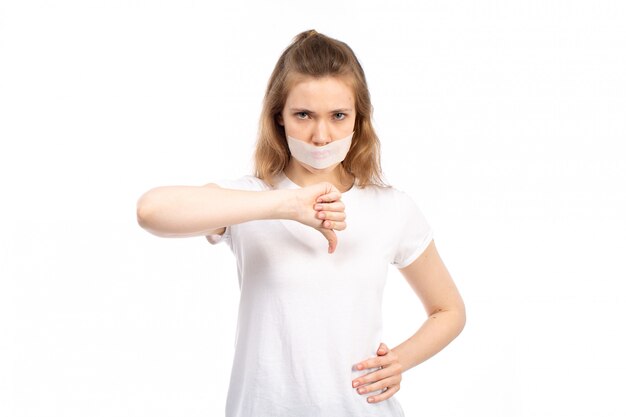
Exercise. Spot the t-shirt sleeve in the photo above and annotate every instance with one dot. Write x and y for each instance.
(247, 183)
(414, 232)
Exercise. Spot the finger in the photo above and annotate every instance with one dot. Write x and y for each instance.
(328, 224)
(376, 362)
(330, 215)
(384, 395)
(383, 349)
(379, 384)
(328, 198)
(330, 235)
(391, 371)
(334, 206)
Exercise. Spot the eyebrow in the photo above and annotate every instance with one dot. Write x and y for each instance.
(302, 109)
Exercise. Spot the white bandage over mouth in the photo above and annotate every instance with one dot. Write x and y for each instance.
(320, 157)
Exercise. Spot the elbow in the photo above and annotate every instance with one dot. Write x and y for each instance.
(142, 216)
(462, 322)
(461, 317)
(144, 212)
(455, 317)
(150, 217)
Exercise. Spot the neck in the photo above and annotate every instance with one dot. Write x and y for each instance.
(339, 177)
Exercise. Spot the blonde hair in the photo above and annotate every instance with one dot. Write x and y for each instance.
(317, 55)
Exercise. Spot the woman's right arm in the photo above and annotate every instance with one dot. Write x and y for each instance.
(185, 211)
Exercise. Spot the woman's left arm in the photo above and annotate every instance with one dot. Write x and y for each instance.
(431, 281)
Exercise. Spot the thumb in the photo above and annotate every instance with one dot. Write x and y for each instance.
(330, 235)
(382, 350)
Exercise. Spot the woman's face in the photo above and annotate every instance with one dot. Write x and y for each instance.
(319, 110)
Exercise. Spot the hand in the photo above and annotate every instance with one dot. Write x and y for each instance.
(388, 377)
(319, 206)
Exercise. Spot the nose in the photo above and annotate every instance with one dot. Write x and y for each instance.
(321, 135)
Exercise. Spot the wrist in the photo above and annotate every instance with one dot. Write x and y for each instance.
(286, 204)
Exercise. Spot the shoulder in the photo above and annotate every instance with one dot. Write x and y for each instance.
(393, 200)
(387, 193)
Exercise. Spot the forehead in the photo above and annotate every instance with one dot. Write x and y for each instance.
(324, 92)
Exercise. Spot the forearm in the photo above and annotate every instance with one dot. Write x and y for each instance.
(436, 333)
(182, 211)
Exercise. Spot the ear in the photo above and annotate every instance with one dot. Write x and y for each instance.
(279, 119)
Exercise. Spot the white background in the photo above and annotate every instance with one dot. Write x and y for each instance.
(505, 121)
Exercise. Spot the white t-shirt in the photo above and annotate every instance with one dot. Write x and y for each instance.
(306, 317)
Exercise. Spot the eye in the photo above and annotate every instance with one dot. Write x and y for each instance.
(340, 116)
(302, 115)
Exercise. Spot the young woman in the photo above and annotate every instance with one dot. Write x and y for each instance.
(309, 322)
